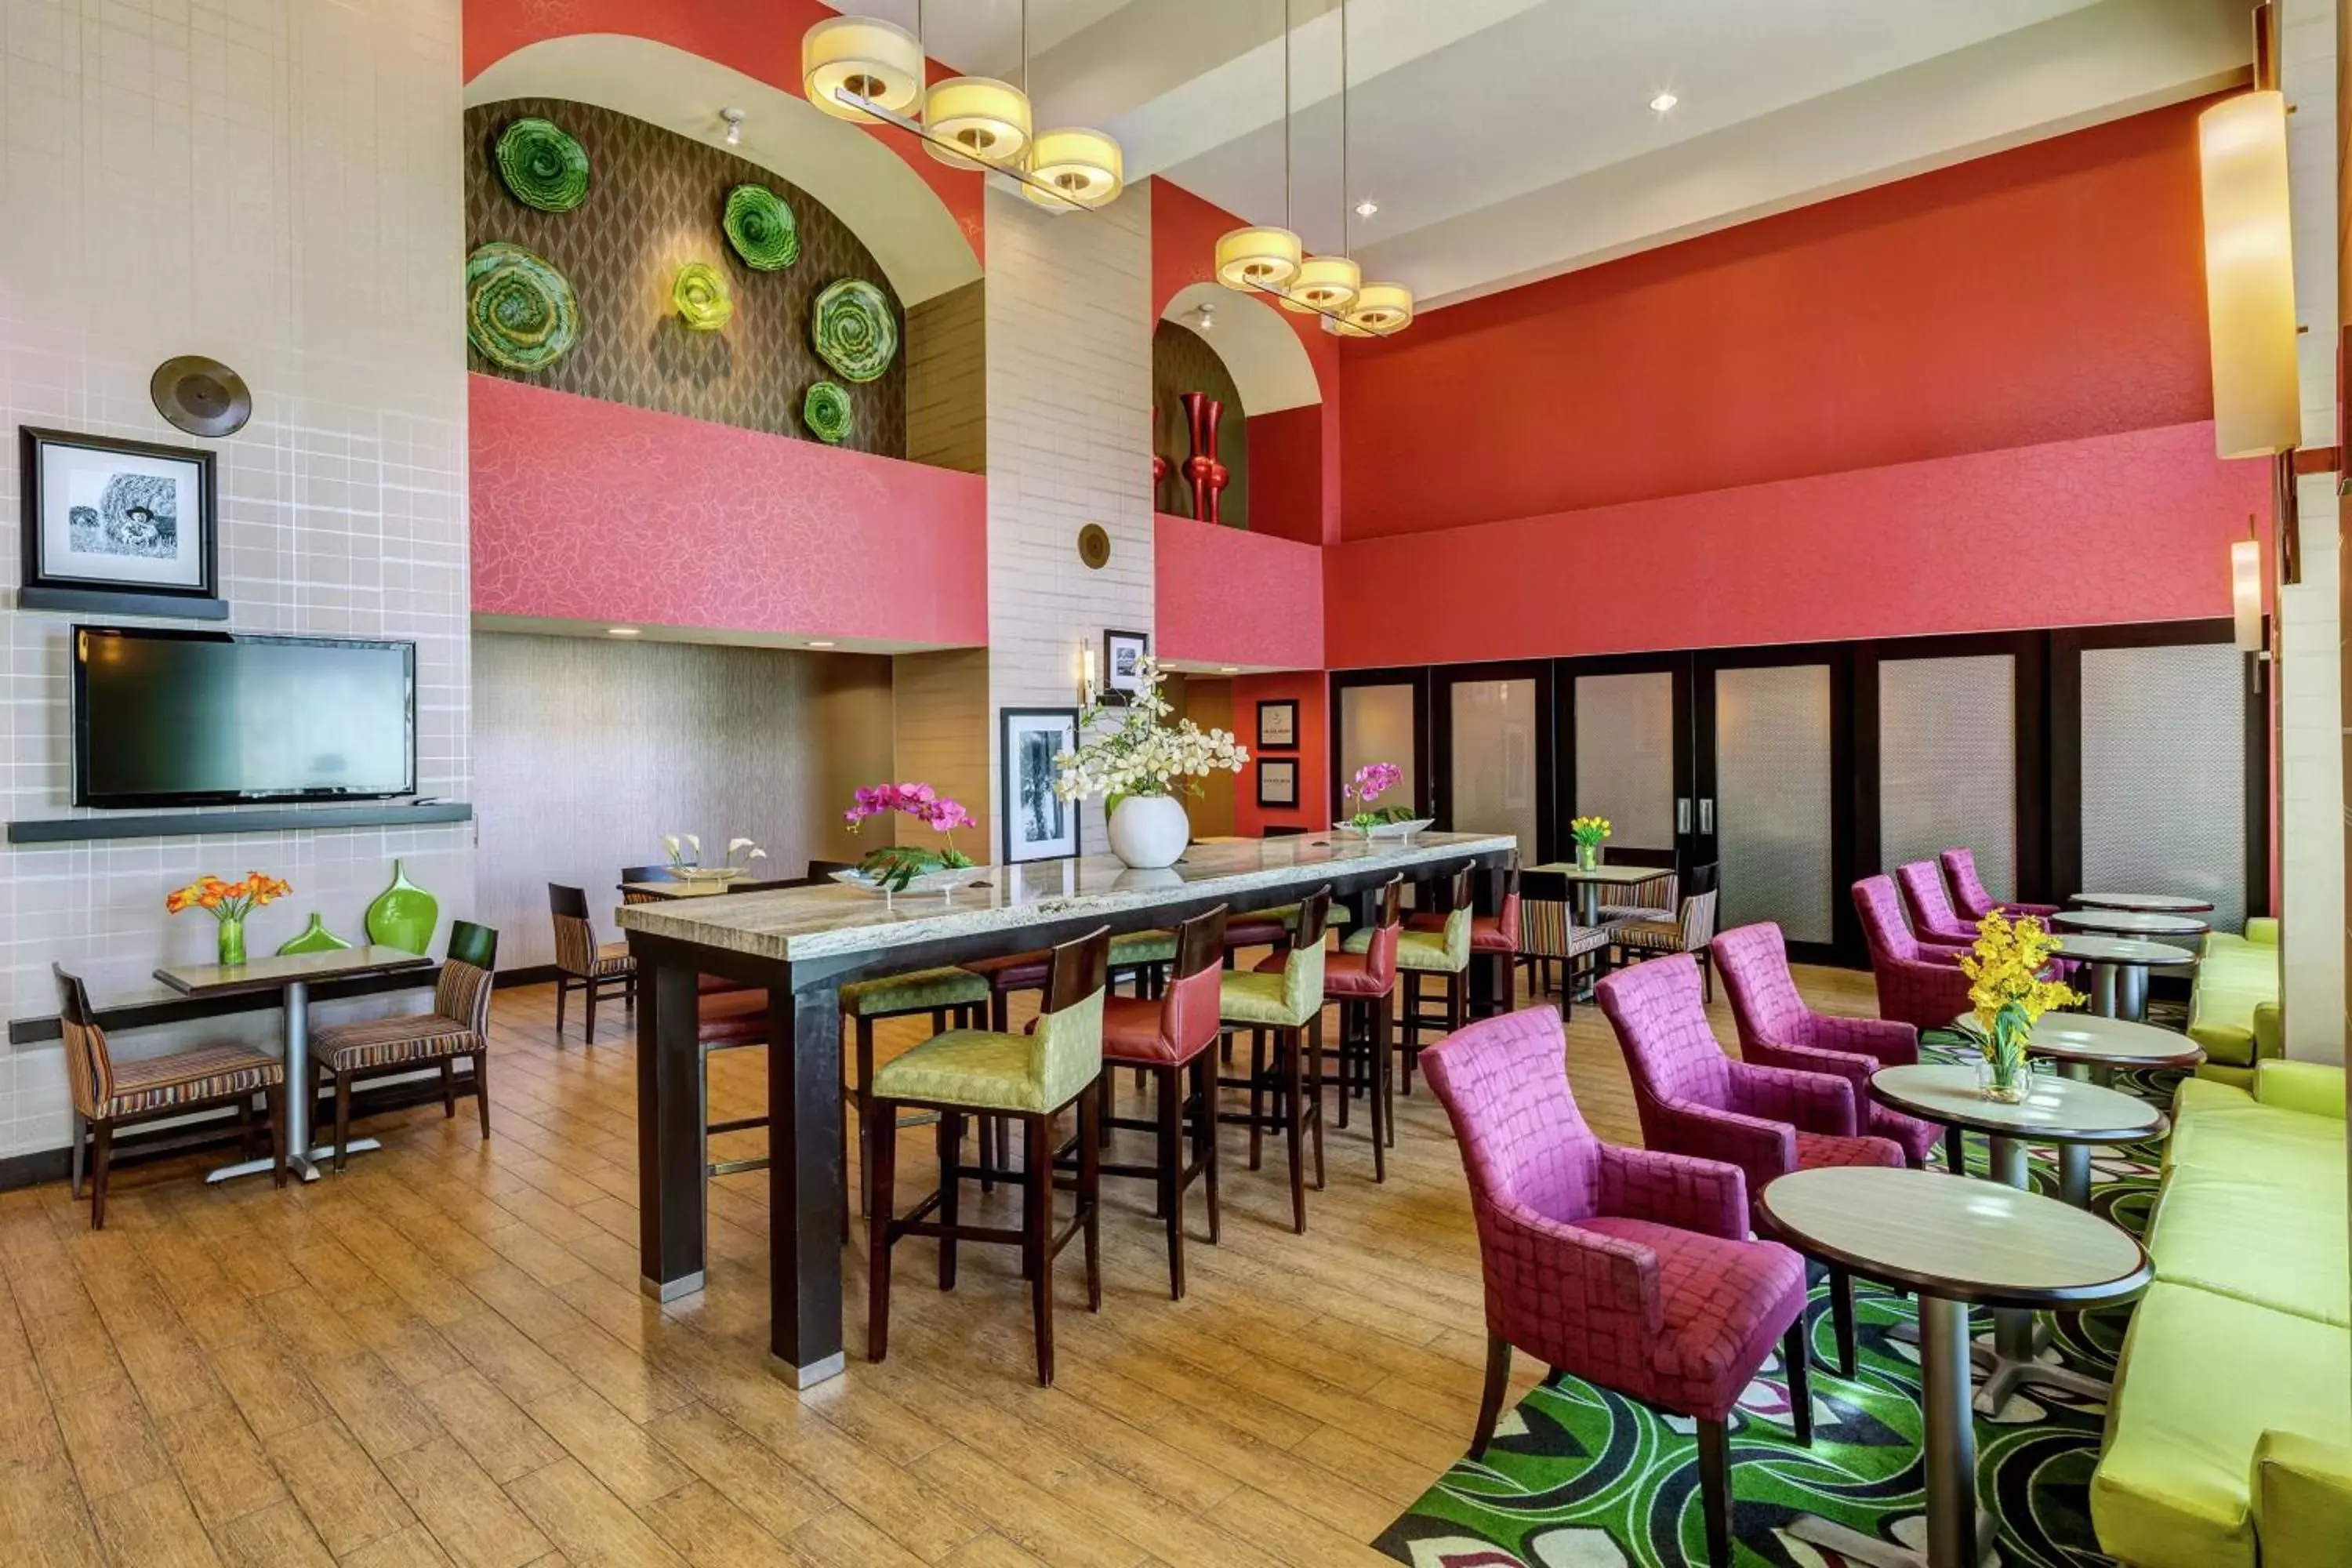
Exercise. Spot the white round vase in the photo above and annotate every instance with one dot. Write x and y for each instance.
(1148, 831)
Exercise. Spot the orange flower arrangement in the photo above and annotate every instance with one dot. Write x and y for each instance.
(228, 901)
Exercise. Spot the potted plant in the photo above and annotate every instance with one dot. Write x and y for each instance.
(901, 867)
(1139, 765)
(228, 903)
(2005, 970)
(684, 851)
(1588, 832)
(1372, 781)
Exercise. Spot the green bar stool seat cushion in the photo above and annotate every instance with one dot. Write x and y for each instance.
(918, 991)
(1431, 952)
(985, 1071)
(1139, 947)
(1283, 1000)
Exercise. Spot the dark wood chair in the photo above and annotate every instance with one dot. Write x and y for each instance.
(1443, 950)
(459, 1025)
(1283, 1007)
(107, 1094)
(644, 874)
(581, 963)
(1030, 1079)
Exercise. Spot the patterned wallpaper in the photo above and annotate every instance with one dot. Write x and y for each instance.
(654, 203)
(1181, 361)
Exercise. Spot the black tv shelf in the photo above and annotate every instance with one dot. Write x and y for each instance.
(275, 819)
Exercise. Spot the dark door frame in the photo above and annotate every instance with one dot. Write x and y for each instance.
(1443, 678)
(1678, 664)
(1426, 769)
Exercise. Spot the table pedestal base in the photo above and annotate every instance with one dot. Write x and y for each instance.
(305, 1166)
(1854, 1546)
(1954, 1539)
(2015, 1361)
(2119, 991)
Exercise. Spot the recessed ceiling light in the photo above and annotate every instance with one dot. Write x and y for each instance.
(621, 631)
(1367, 208)
(820, 642)
(1662, 103)
(1229, 669)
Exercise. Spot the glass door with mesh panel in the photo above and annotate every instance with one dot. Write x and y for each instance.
(1628, 755)
(1381, 716)
(1772, 815)
(1491, 728)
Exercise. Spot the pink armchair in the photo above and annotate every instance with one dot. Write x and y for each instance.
(1968, 895)
(1628, 1268)
(1919, 984)
(1932, 915)
(1777, 1031)
(1694, 1100)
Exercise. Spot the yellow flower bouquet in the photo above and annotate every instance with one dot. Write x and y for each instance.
(2007, 986)
(1588, 832)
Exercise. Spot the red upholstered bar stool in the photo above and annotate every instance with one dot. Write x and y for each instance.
(1284, 1007)
(1167, 1039)
(1362, 985)
(1495, 938)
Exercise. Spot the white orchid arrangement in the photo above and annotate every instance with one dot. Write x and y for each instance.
(1142, 754)
(684, 852)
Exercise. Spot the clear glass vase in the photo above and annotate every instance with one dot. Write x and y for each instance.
(2005, 1074)
(232, 942)
(1588, 855)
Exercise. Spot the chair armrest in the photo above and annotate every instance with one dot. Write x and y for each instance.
(1531, 1259)
(1888, 1042)
(1811, 1102)
(2262, 930)
(2269, 1031)
(1941, 954)
(2302, 1500)
(1762, 1149)
(2308, 1086)
(1684, 1191)
(1852, 1066)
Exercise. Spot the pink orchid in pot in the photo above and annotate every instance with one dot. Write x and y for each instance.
(895, 868)
(1372, 781)
(1143, 764)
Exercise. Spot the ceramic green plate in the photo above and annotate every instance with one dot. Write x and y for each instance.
(542, 166)
(854, 330)
(702, 297)
(521, 312)
(825, 411)
(759, 226)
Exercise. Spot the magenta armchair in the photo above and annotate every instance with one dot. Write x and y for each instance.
(1918, 984)
(1627, 1267)
(1777, 1031)
(1968, 895)
(1932, 915)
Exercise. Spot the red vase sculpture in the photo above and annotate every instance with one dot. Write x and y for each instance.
(1218, 477)
(1201, 413)
(1158, 463)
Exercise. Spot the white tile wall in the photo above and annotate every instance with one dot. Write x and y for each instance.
(275, 182)
(1069, 408)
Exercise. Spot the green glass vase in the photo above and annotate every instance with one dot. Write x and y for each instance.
(404, 915)
(232, 944)
(315, 938)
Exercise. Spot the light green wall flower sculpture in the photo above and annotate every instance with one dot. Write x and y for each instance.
(702, 297)
(544, 167)
(760, 227)
(825, 411)
(854, 331)
(521, 312)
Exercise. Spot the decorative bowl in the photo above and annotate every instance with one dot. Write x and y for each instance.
(719, 874)
(1401, 830)
(945, 879)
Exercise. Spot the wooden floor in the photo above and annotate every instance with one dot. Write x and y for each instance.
(442, 1357)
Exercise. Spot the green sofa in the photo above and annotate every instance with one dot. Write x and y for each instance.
(2233, 1011)
(2229, 1438)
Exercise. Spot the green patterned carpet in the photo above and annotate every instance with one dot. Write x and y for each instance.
(1579, 1476)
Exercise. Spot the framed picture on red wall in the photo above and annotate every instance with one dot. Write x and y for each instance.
(1277, 725)
(1277, 783)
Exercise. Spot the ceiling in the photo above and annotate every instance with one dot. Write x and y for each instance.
(1510, 139)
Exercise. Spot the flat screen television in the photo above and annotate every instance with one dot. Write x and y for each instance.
(166, 717)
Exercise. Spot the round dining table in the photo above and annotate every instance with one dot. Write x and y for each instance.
(1955, 1244)
(2069, 1114)
(2119, 966)
(2088, 1045)
(2130, 922)
(2146, 903)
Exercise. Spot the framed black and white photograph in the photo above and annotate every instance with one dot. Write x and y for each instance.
(1038, 823)
(1278, 726)
(120, 526)
(1277, 782)
(1123, 652)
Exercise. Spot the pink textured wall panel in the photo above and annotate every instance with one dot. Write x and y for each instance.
(594, 511)
(1228, 597)
(2129, 527)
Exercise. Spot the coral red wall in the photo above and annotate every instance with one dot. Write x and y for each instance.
(763, 41)
(2129, 527)
(2050, 293)
(1307, 688)
(1286, 474)
(599, 511)
(1224, 596)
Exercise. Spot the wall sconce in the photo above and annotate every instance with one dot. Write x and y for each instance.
(2250, 275)
(1086, 674)
(2246, 594)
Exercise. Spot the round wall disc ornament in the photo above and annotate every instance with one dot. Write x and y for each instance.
(702, 297)
(759, 226)
(854, 331)
(542, 166)
(201, 396)
(825, 411)
(520, 313)
(1094, 546)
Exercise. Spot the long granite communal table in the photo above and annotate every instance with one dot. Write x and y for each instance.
(802, 945)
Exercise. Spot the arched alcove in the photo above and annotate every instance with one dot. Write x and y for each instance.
(1244, 354)
(1268, 363)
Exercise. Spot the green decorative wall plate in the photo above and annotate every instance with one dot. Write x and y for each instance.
(759, 226)
(404, 915)
(702, 297)
(825, 411)
(521, 312)
(315, 938)
(854, 330)
(542, 166)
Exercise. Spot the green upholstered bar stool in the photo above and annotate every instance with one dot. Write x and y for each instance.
(952, 996)
(1283, 1007)
(1028, 1078)
(1444, 954)
(1276, 927)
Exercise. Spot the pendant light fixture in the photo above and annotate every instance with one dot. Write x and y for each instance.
(1256, 259)
(1083, 167)
(976, 122)
(866, 58)
(1327, 285)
